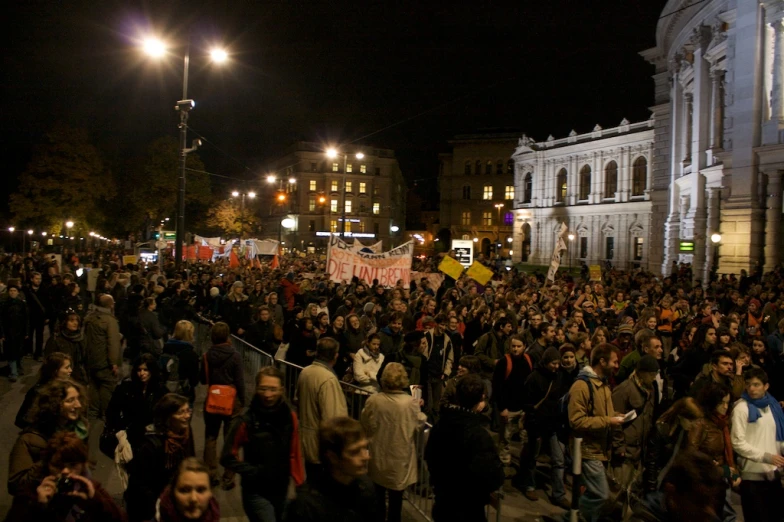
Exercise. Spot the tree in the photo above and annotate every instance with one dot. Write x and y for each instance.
(66, 180)
(226, 216)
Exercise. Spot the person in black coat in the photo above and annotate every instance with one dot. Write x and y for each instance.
(302, 348)
(180, 345)
(462, 458)
(13, 330)
(261, 334)
(235, 309)
(155, 332)
(69, 339)
(508, 392)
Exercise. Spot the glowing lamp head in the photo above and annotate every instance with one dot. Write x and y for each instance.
(30, 232)
(476, 240)
(271, 179)
(69, 224)
(235, 194)
(251, 195)
(11, 229)
(571, 237)
(360, 155)
(153, 47)
(332, 153)
(716, 237)
(287, 223)
(394, 228)
(281, 197)
(322, 199)
(218, 55)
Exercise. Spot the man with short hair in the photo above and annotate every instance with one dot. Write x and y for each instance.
(758, 436)
(462, 458)
(268, 435)
(592, 418)
(649, 345)
(38, 307)
(532, 332)
(343, 492)
(490, 347)
(392, 334)
(545, 337)
(440, 357)
(319, 398)
(511, 372)
(104, 357)
(722, 370)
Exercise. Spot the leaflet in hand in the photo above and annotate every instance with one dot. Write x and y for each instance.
(630, 416)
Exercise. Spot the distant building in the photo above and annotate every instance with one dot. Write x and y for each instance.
(316, 192)
(477, 192)
(598, 184)
(719, 113)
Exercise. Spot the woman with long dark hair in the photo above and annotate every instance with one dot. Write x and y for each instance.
(68, 339)
(56, 366)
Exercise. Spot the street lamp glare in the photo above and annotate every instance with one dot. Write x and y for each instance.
(292, 180)
(69, 224)
(332, 153)
(287, 223)
(571, 237)
(394, 228)
(154, 47)
(476, 240)
(716, 237)
(11, 229)
(271, 179)
(360, 155)
(509, 240)
(43, 234)
(30, 232)
(235, 193)
(218, 55)
(251, 195)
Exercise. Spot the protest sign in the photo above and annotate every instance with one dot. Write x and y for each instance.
(451, 267)
(560, 246)
(388, 267)
(479, 273)
(595, 272)
(129, 260)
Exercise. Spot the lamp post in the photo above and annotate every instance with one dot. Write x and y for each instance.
(242, 195)
(332, 154)
(68, 226)
(715, 239)
(286, 223)
(158, 49)
(571, 250)
(29, 233)
(11, 230)
(498, 207)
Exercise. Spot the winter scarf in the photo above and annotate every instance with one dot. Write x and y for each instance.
(722, 422)
(775, 409)
(371, 354)
(175, 446)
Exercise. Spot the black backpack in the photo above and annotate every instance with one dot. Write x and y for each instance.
(170, 374)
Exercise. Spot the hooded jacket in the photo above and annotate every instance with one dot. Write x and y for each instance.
(589, 421)
(102, 339)
(391, 342)
(542, 391)
(188, 363)
(225, 366)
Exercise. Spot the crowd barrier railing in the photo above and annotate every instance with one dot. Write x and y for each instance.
(419, 495)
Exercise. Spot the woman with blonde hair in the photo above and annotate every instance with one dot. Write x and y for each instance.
(179, 363)
(392, 420)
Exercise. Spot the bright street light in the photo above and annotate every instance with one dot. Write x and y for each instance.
(360, 155)
(43, 234)
(271, 179)
(287, 223)
(153, 47)
(571, 237)
(476, 240)
(218, 55)
(11, 229)
(716, 237)
(292, 180)
(332, 153)
(69, 224)
(251, 195)
(509, 240)
(235, 194)
(30, 232)
(394, 228)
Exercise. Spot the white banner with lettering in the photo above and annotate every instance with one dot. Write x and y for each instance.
(560, 246)
(388, 267)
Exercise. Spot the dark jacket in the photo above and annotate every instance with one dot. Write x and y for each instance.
(390, 341)
(102, 339)
(150, 471)
(462, 485)
(23, 419)
(660, 449)
(37, 303)
(261, 334)
(225, 365)
(188, 364)
(268, 438)
(71, 344)
(325, 500)
(236, 311)
(508, 392)
(631, 438)
(130, 409)
(543, 388)
(301, 342)
(154, 332)
(489, 348)
(13, 327)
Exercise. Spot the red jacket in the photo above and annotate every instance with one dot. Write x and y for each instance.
(290, 290)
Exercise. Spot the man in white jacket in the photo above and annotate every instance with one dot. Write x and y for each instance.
(758, 438)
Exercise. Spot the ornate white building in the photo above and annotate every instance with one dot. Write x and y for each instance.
(720, 132)
(598, 184)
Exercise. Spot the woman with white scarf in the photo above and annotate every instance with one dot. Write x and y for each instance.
(367, 364)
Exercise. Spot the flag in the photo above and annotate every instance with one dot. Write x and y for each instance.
(479, 273)
(451, 267)
(560, 246)
(256, 262)
(234, 262)
(275, 263)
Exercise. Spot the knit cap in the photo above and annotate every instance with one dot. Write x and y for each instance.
(647, 363)
(550, 355)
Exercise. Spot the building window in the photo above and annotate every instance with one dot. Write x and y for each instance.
(378, 171)
(465, 218)
(376, 208)
(583, 247)
(639, 176)
(348, 206)
(509, 192)
(467, 192)
(362, 187)
(376, 191)
(499, 167)
(348, 226)
(313, 167)
(585, 182)
(335, 167)
(312, 203)
(333, 205)
(487, 192)
(560, 187)
(361, 226)
(333, 226)
(509, 219)
(528, 187)
(510, 167)
(349, 167)
(610, 180)
(609, 247)
(375, 229)
(333, 186)
(312, 185)
(312, 225)
(349, 186)
(638, 244)
(467, 168)
(489, 168)
(478, 168)
(487, 218)
(363, 169)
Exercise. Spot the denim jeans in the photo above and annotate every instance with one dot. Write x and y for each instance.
(257, 508)
(597, 490)
(557, 462)
(13, 367)
(508, 429)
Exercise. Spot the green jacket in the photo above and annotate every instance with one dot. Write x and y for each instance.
(627, 366)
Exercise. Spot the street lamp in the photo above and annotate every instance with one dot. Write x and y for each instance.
(332, 154)
(571, 239)
(156, 48)
(715, 239)
(11, 230)
(286, 223)
(250, 195)
(68, 225)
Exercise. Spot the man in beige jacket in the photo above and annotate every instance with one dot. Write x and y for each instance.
(319, 397)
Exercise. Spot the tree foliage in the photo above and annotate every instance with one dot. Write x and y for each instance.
(226, 216)
(65, 180)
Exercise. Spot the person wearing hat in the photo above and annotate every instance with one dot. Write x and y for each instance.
(623, 340)
(635, 306)
(542, 391)
(635, 393)
(235, 309)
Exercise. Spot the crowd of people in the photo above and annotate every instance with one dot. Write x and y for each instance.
(669, 384)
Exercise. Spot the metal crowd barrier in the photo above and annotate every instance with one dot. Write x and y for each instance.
(419, 495)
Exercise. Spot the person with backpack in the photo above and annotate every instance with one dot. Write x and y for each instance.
(591, 418)
(491, 347)
(541, 394)
(179, 363)
(509, 376)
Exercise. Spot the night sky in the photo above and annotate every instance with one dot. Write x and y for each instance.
(402, 75)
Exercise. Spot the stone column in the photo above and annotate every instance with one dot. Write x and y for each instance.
(672, 223)
(773, 220)
(774, 125)
(717, 105)
(714, 225)
(688, 113)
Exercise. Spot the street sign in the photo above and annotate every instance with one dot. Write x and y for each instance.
(686, 246)
(161, 244)
(464, 251)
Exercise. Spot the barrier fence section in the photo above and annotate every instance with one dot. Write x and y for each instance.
(419, 495)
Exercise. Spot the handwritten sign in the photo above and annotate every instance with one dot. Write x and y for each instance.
(451, 267)
(343, 263)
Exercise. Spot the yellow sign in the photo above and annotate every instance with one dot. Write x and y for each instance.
(129, 260)
(451, 267)
(479, 273)
(595, 272)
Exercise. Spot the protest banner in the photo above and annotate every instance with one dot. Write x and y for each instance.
(388, 267)
(435, 279)
(451, 267)
(595, 272)
(479, 273)
(560, 246)
(129, 260)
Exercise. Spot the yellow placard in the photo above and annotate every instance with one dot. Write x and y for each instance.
(451, 267)
(129, 260)
(479, 273)
(595, 272)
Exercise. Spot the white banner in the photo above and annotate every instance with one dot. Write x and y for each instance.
(358, 247)
(555, 260)
(388, 267)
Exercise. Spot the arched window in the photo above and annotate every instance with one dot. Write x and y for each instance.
(478, 169)
(610, 180)
(467, 168)
(639, 176)
(560, 186)
(466, 192)
(510, 167)
(489, 169)
(585, 182)
(528, 186)
(499, 167)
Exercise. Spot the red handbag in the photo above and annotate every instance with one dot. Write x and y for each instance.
(220, 397)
